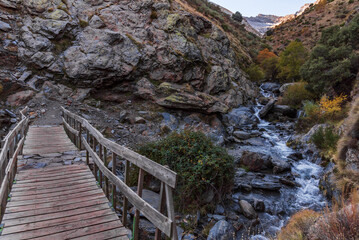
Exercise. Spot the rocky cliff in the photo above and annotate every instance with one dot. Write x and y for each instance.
(154, 49)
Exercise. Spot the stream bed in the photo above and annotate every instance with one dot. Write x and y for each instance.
(284, 192)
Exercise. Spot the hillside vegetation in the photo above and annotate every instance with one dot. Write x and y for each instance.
(245, 44)
(309, 26)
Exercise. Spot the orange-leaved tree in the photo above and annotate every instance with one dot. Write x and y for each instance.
(265, 54)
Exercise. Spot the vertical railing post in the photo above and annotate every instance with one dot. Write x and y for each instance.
(80, 134)
(171, 211)
(114, 156)
(87, 152)
(101, 158)
(161, 209)
(139, 193)
(94, 164)
(125, 200)
(106, 165)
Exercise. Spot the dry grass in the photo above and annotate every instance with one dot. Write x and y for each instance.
(299, 225)
(340, 224)
(346, 177)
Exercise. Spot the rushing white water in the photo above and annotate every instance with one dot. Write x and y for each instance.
(307, 194)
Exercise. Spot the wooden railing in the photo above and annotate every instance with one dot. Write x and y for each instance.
(84, 135)
(11, 147)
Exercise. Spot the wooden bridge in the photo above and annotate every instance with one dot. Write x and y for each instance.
(73, 201)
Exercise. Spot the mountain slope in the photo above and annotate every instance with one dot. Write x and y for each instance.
(308, 26)
(262, 23)
(244, 41)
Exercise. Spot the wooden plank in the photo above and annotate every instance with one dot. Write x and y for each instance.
(44, 217)
(47, 150)
(42, 140)
(54, 194)
(41, 185)
(85, 231)
(58, 177)
(55, 222)
(52, 169)
(117, 233)
(14, 203)
(158, 219)
(45, 232)
(24, 177)
(52, 204)
(52, 190)
(35, 212)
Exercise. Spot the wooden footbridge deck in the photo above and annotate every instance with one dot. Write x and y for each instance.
(73, 202)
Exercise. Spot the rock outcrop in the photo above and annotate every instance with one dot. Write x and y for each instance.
(104, 44)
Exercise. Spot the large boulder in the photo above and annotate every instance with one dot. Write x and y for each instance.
(240, 117)
(222, 230)
(271, 87)
(307, 137)
(285, 110)
(251, 180)
(145, 89)
(263, 112)
(20, 98)
(186, 97)
(247, 209)
(255, 161)
(242, 135)
(279, 165)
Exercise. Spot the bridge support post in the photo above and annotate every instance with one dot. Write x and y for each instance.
(125, 200)
(114, 156)
(137, 213)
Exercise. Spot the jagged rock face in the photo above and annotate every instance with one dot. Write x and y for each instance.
(105, 43)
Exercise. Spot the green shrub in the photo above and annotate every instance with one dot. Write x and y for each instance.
(311, 109)
(325, 139)
(199, 163)
(296, 94)
(237, 17)
(334, 62)
(255, 73)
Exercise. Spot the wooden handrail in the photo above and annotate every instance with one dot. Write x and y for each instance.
(157, 170)
(12, 147)
(75, 126)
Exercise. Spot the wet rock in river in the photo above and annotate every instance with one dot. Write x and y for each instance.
(222, 230)
(239, 117)
(279, 165)
(263, 112)
(255, 161)
(242, 135)
(248, 210)
(272, 87)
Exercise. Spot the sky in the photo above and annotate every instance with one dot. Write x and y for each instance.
(250, 8)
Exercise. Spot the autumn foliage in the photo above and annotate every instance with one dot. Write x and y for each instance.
(265, 54)
(333, 106)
